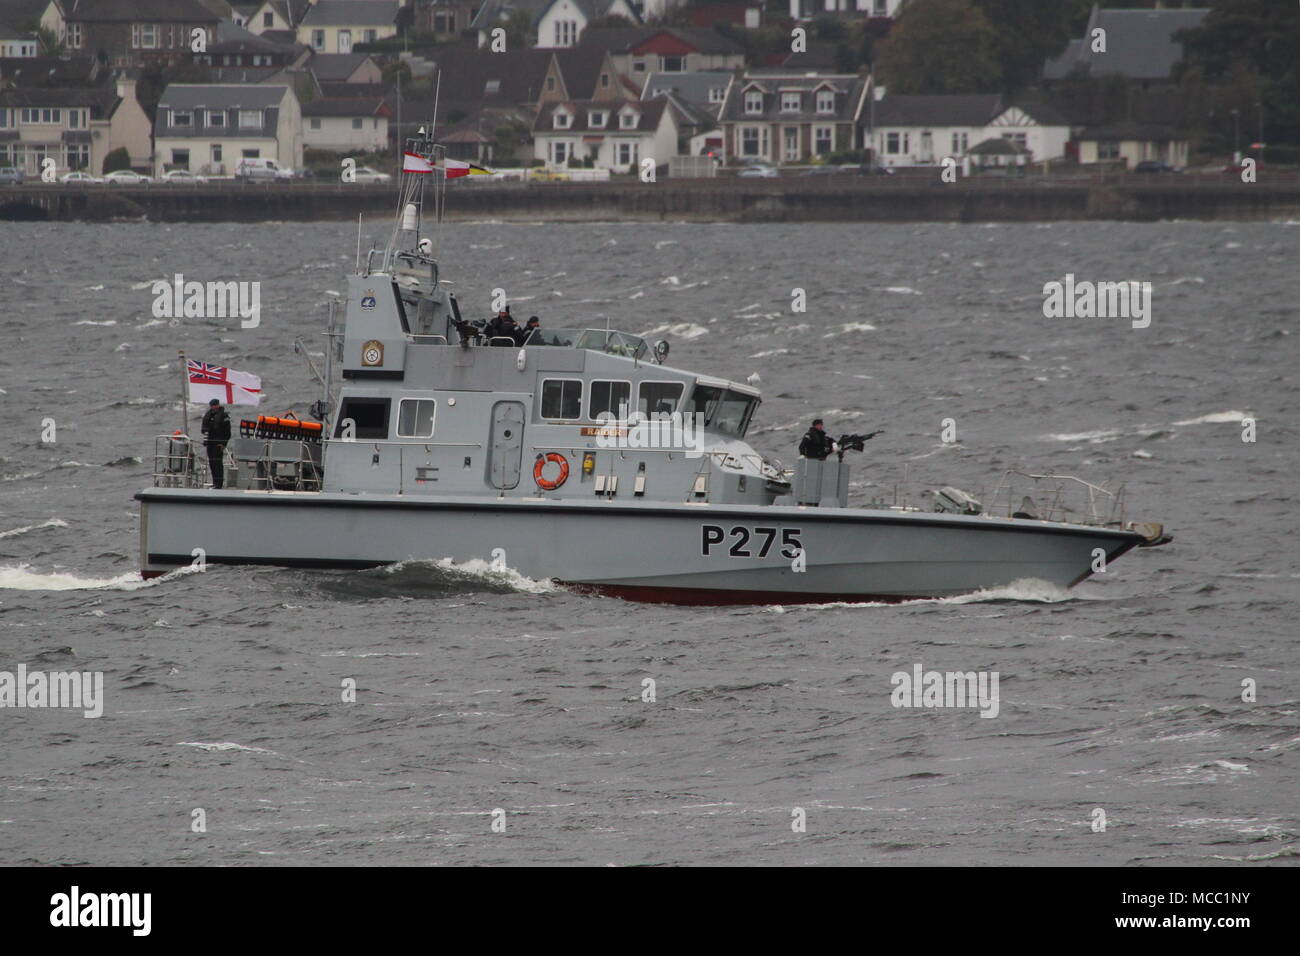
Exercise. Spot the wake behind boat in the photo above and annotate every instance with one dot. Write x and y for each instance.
(579, 455)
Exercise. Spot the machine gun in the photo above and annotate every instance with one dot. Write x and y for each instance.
(853, 442)
(469, 331)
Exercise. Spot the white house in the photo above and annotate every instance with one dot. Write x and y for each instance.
(209, 127)
(557, 23)
(615, 134)
(915, 130)
(346, 123)
(333, 26)
(807, 9)
(18, 45)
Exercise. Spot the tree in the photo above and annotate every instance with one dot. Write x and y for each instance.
(940, 46)
(117, 159)
(1028, 33)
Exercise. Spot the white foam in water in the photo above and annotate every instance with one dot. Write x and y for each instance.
(478, 568)
(683, 330)
(1022, 589)
(51, 523)
(93, 322)
(1215, 418)
(224, 745)
(22, 578)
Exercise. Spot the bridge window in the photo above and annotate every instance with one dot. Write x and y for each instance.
(368, 415)
(658, 398)
(725, 411)
(609, 400)
(562, 398)
(415, 418)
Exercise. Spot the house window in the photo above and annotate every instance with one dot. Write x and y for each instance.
(896, 143)
(562, 119)
(251, 153)
(628, 154)
(753, 101)
(959, 143)
(596, 119)
(74, 35)
(562, 398)
(74, 119)
(823, 139)
(181, 158)
(559, 153)
(370, 36)
(879, 8)
(415, 418)
(268, 20)
(790, 102)
(753, 141)
(144, 36)
(444, 22)
(182, 118)
(1021, 139)
(356, 122)
(54, 117)
(825, 101)
(250, 119)
(216, 152)
(604, 81)
(4, 118)
(78, 156)
(1108, 149)
(673, 64)
(716, 93)
(318, 40)
(217, 119)
(638, 66)
(627, 119)
(315, 122)
(345, 41)
(566, 31)
(550, 84)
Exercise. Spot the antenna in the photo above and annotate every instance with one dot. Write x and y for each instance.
(358, 243)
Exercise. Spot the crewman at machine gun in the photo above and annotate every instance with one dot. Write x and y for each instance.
(818, 445)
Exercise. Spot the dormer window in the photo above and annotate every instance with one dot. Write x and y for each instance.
(562, 119)
(716, 93)
(627, 119)
(250, 119)
(790, 102)
(596, 119)
(217, 119)
(182, 118)
(753, 102)
(825, 101)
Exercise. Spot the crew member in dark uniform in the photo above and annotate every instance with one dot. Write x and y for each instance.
(216, 433)
(526, 333)
(816, 443)
(502, 327)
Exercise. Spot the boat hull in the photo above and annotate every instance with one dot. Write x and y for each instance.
(690, 554)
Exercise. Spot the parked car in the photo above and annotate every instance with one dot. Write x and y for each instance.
(367, 175)
(1153, 166)
(127, 177)
(79, 176)
(10, 176)
(758, 171)
(264, 169)
(182, 176)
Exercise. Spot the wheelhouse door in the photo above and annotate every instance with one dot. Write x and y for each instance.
(507, 444)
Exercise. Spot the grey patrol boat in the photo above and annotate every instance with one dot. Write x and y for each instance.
(581, 457)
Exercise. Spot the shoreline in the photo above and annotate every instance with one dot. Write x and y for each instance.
(907, 199)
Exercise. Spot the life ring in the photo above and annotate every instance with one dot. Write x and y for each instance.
(545, 483)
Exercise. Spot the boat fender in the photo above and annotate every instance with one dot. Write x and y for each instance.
(547, 484)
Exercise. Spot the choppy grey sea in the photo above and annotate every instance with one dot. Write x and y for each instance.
(480, 691)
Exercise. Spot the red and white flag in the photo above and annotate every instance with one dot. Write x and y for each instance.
(224, 384)
(414, 163)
